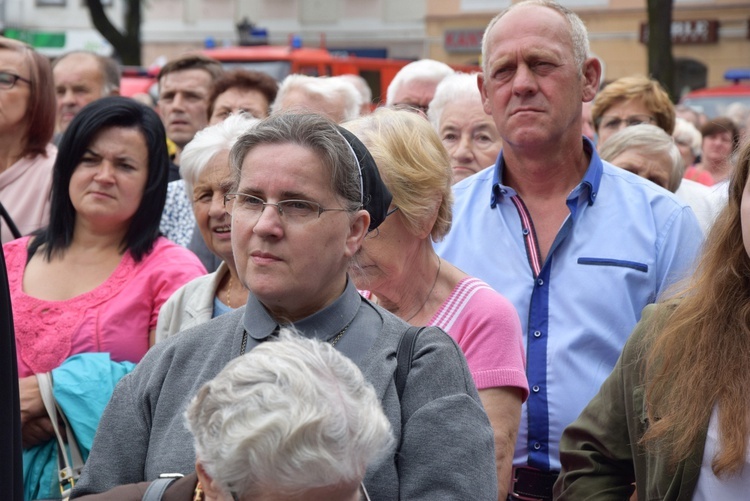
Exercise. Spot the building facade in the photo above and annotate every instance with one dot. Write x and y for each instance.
(710, 36)
(392, 28)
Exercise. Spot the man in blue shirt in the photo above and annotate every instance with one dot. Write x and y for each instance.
(578, 245)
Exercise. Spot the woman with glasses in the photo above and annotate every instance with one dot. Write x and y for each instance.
(291, 420)
(204, 166)
(305, 194)
(27, 122)
(398, 269)
(86, 290)
(629, 101)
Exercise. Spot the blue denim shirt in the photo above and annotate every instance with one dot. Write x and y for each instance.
(625, 241)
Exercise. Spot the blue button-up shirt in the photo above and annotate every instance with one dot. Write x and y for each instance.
(625, 241)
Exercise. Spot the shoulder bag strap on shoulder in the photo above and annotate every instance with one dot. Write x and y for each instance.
(404, 354)
(9, 221)
(157, 488)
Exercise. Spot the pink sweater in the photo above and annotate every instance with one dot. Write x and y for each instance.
(116, 317)
(24, 192)
(486, 327)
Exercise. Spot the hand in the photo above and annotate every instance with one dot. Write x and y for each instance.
(37, 431)
(32, 406)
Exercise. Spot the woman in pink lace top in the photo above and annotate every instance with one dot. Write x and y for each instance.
(95, 278)
(398, 268)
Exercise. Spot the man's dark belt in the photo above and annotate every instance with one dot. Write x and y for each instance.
(530, 484)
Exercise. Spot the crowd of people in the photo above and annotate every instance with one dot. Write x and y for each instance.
(278, 291)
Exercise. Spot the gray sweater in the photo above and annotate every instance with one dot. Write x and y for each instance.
(446, 441)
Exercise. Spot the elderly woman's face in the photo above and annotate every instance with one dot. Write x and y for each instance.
(621, 115)
(470, 136)
(14, 101)
(294, 265)
(384, 261)
(655, 168)
(208, 205)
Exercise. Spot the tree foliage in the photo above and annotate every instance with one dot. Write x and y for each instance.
(127, 43)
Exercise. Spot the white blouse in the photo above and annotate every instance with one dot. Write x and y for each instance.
(712, 488)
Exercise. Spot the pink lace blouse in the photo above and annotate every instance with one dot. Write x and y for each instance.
(115, 317)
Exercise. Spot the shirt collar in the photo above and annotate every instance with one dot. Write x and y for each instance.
(324, 324)
(588, 187)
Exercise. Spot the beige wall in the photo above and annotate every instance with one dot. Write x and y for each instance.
(614, 34)
(150, 52)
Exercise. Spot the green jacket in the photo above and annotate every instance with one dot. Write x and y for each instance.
(599, 451)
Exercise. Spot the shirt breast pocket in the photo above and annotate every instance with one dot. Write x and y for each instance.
(602, 261)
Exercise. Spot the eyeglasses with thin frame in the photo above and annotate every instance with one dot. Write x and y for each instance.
(8, 80)
(251, 206)
(374, 233)
(615, 123)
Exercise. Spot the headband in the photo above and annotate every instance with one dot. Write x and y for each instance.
(374, 195)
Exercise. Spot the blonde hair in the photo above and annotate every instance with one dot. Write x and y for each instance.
(699, 354)
(414, 165)
(648, 90)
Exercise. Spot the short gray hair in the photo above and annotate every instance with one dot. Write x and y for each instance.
(578, 33)
(685, 132)
(208, 142)
(310, 131)
(290, 415)
(452, 88)
(648, 140)
(325, 88)
(360, 84)
(423, 69)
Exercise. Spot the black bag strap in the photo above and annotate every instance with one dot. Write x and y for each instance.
(157, 488)
(404, 354)
(11, 225)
